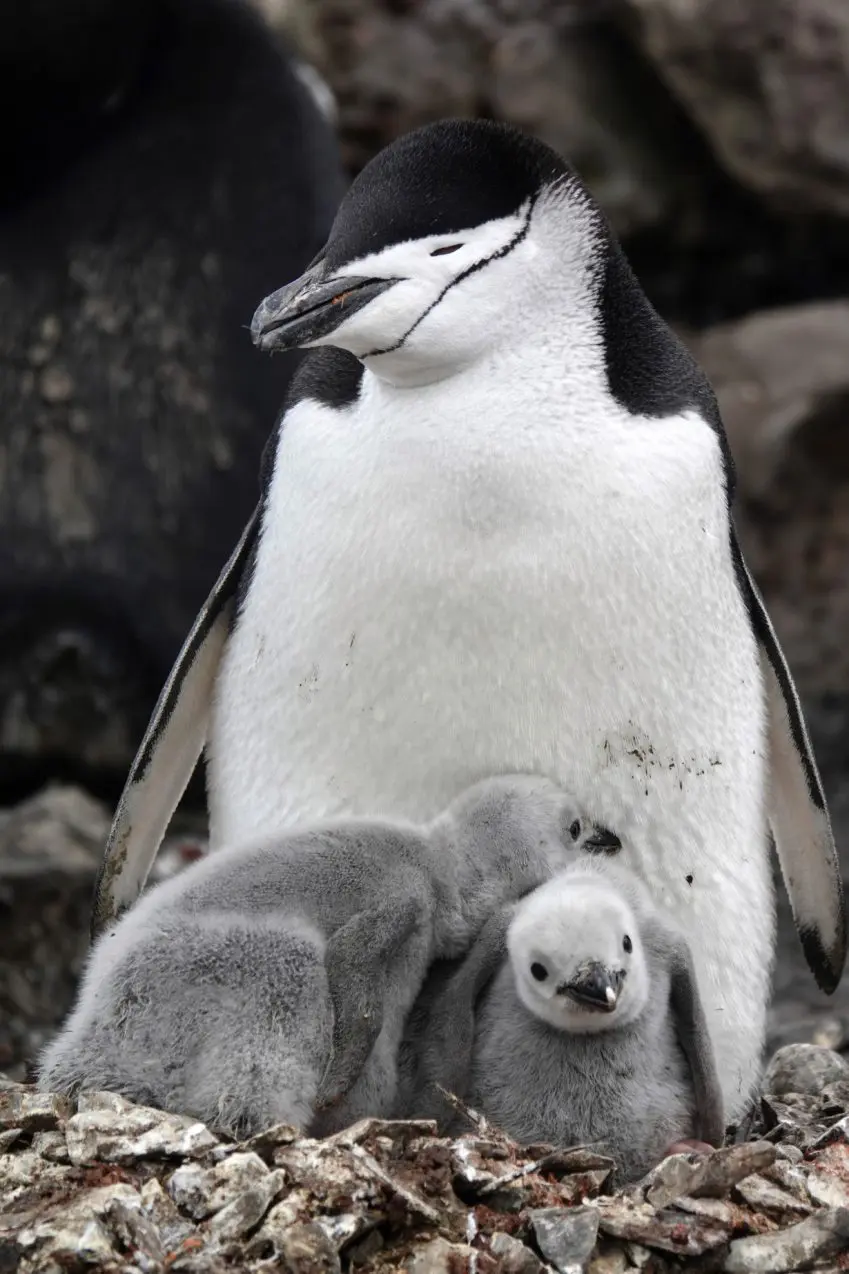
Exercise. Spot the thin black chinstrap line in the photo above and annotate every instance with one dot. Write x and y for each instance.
(478, 265)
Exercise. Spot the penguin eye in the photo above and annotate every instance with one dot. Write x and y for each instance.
(575, 829)
(449, 247)
(627, 944)
(539, 972)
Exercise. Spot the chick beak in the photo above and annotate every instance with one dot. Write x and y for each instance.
(594, 987)
(602, 841)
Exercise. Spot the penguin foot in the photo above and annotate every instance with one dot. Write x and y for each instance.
(689, 1147)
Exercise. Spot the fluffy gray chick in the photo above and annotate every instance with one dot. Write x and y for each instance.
(268, 983)
(591, 1031)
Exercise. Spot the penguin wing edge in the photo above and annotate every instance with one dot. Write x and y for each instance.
(694, 1036)
(169, 751)
(797, 808)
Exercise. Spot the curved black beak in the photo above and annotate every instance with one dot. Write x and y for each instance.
(311, 307)
(595, 987)
(602, 841)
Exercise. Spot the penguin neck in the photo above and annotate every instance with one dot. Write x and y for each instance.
(468, 887)
(552, 322)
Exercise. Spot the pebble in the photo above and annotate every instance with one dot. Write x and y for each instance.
(106, 1134)
(803, 1068)
(798, 1247)
(200, 1192)
(514, 1257)
(28, 1110)
(566, 1236)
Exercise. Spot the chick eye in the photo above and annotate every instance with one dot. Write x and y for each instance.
(449, 247)
(539, 972)
(627, 944)
(575, 829)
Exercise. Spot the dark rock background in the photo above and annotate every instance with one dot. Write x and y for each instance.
(716, 135)
(163, 165)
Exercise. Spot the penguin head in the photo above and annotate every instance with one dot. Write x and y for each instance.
(576, 954)
(515, 822)
(446, 243)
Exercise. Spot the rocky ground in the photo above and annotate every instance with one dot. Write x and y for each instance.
(105, 1185)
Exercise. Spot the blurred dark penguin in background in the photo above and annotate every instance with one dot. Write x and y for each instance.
(161, 161)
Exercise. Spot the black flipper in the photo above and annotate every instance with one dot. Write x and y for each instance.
(694, 1037)
(447, 1036)
(796, 805)
(169, 751)
(356, 960)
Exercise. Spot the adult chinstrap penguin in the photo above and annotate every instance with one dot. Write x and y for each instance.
(495, 534)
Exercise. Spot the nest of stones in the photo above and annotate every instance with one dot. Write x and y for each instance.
(104, 1185)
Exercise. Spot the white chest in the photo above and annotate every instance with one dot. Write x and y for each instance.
(444, 593)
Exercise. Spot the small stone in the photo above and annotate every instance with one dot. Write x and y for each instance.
(9, 1137)
(332, 1174)
(189, 1188)
(361, 1253)
(342, 1229)
(280, 1220)
(30, 1110)
(202, 1191)
(104, 1134)
(23, 1170)
(712, 1175)
(513, 1256)
(306, 1250)
(609, 1259)
(113, 1102)
(763, 1196)
(837, 1094)
(51, 1146)
(564, 1163)
(173, 1228)
(90, 1246)
(56, 385)
(393, 1129)
(80, 1233)
(440, 1257)
(412, 1201)
(565, 1236)
(791, 1177)
(731, 1215)
(837, 1131)
(267, 1142)
(684, 1235)
(822, 1235)
(803, 1068)
(828, 1191)
(134, 1230)
(245, 1212)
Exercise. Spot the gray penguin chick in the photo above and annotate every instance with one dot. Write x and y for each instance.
(591, 1031)
(270, 982)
